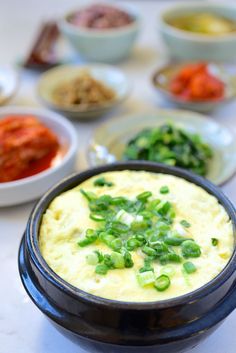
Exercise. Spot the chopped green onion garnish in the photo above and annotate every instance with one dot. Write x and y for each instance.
(140, 238)
(101, 269)
(174, 239)
(97, 217)
(144, 196)
(152, 204)
(163, 207)
(108, 261)
(185, 224)
(128, 260)
(116, 244)
(118, 227)
(92, 259)
(149, 251)
(102, 182)
(132, 244)
(171, 257)
(147, 266)
(190, 249)
(88, 195)
(89, 239)
(164, 190)
(119, 200)
(139, 226)
(161, 249)
(106, 238)
(162, 283)
(214, 241)
(145, 278)
(118, 260)
(99, 255)
(127, 225)
(189, 267)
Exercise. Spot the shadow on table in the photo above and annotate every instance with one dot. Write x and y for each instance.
(52, 341)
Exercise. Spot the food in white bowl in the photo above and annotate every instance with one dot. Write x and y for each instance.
(198, 86)
(83, 91)
(136, 236)
(204, 23)
(172, 146)
(215, 144)
(100, 16)
(209, 34)
(101, 33)
(28, 147)
(37, 149)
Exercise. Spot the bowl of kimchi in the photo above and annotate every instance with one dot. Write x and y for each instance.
(37, 149)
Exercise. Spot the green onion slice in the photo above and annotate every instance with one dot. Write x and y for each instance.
(92, 259)
(145, 278)
(214, 241)
(101, 269)
(189, 267)
(162, 283)
(102, 182)
(185, 224)
(118, 260)
(164, 190)
(190, 249)
(97, 217)
(144, 196)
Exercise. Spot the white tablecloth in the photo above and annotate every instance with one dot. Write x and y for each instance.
(23, 329)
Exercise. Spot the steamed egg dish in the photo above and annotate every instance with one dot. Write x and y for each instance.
(136, 236)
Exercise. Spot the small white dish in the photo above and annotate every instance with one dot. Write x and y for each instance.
(225, 72)
(110, 76)
(8, 83)
(31, 188)
(110, 138)
(105, 45)
(186, 45)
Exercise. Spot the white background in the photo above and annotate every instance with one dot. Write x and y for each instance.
(23, 329)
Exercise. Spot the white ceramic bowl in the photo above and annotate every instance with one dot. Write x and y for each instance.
(30, 188)
(110, 76)
(8, 83)
(194, 46)
(225, 72)
(110, 138)
(108, 45)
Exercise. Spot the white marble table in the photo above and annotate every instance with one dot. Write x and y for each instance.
(23, 329)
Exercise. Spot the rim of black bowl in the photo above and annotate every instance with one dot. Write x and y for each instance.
(76, 179)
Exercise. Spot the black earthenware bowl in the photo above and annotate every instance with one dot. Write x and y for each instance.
(103, 325)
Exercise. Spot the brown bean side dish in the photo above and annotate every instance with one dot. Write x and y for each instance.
(100, 17)
(84, 91)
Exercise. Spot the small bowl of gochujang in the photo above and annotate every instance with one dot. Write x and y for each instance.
(37, 149)
(198, 86)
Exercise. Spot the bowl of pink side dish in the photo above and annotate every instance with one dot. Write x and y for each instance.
(101, 33)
